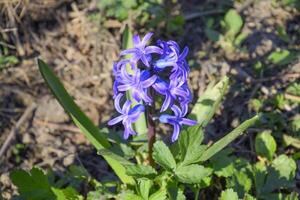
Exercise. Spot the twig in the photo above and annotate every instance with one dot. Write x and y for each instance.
(15, 129)
(292, 97)
(57, 126)
(192, 16)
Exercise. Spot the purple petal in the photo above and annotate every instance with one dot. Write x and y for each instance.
(117, 102)
(124, 87)
(184, 53)
(126, 107)
(136, 95)
(188, 122)
(175, 132)
(125, 76)
(146, 38)
(135, 112)
(176, 110)
(128, 51)
(136, 40)
(167, 103)
(145, 60)
(160, 86)
(165, 118)
(115, 120)
(153, 49)
(150, 81)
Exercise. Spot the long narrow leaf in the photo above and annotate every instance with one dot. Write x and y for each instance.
(219, 145)
(97, 138)
(140, 126)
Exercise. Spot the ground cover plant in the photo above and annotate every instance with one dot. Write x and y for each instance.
(201, 101)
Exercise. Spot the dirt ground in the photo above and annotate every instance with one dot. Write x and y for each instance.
(81, 53)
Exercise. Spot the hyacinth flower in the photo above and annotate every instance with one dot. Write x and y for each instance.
(140, 51)
(173, 90)
(164, 74)
(137, 83)
(128, 115)
(176, 120)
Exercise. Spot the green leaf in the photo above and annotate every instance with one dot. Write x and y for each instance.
(260, 173)
(192, 173)
(212, 34)
(249, 197)
(140, 171)
(208, 102)
(282, 57)
(291, 141)
(223, 163)
(228, 194)
(281, 174)
(33, 185)
(67, 194)
(8, 60)
(219, 145)
(120, 159)
(159, 195)
(265, 145)
(163, 156)
(97, 138)
(240, 182)
(233, 22)
(130, 196)
(189, 144)
(140, 126)
(176, 193)
(144, 187)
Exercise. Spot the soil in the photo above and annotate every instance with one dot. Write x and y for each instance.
(81, 53)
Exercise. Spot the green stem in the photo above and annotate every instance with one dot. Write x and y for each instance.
(197, 192)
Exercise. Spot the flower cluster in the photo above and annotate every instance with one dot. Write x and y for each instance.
(163, 69)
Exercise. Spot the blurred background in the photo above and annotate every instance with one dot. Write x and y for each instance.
(256, 43)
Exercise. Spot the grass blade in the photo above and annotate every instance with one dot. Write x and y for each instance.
(219, 145)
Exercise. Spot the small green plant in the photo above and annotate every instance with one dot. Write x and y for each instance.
(232, 37)
(146, 167)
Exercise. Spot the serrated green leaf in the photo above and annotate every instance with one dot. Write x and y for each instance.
(159, 195)
(260, 173)
(208, 102)
(219, 145)
(228, 194)
(33, 185)
(189, 144)
(265, 145)
(281, 174)
(66, 194)
(192, 173)
(140, 171)
(233, 22)
(163, 156)
(223, 163)
(240, 182)
(176, 193)
(144, 187)
(96, 137)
